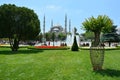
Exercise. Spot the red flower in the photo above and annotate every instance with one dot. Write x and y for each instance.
(48, 47)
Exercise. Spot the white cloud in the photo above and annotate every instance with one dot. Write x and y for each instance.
(53, 7)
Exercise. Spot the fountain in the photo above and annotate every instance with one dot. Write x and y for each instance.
(70, 38)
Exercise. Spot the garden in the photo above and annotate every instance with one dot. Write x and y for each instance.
(37, 64)
(96, 62)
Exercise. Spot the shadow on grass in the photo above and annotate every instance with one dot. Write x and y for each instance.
(27, 51)
(109, 72)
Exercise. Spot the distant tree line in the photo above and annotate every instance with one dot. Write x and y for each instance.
(49, 36)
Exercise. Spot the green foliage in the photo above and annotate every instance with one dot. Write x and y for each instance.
(53, 37)
(48, 36)
(69, 33)
(77, 33)
(39, 37)
(75, 45)
(101, 23)
(61, 36)
(110, 37)
(88, 35)
(97, 25)
(18, 23)
(113, 29)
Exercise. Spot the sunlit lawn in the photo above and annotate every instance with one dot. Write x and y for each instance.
(29, 64)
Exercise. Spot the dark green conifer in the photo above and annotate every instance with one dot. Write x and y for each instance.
(75, 45)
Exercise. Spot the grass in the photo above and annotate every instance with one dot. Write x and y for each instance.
(27, 64)
(106, 48)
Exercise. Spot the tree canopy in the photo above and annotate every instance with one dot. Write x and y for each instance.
(88, 35)
(18, 23)
(111, 36)
(61, 36)
(97, 25)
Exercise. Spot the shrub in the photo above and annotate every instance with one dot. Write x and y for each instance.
(75, 45)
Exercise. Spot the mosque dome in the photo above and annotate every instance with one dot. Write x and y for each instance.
(56, 28)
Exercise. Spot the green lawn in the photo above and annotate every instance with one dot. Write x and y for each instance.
(29, 64)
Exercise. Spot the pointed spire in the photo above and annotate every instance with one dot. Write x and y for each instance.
(44, 29)
(65, 23)
(44, 24)
(69, 26)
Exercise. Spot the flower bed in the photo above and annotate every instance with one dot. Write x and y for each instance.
(51, 47)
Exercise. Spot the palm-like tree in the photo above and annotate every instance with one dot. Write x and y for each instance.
(97, 25)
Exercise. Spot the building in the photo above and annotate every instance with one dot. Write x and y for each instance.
(57, 29)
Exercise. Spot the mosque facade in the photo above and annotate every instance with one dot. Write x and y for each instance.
(57, 28)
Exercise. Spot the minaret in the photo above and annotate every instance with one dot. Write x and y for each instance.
(65, 23)
(44, 29)
(69, 26)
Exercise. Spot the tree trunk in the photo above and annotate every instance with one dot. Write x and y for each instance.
(53, 43)
(14, 43)
(109, 44)
(97, 39)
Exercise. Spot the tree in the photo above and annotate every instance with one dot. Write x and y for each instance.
(48, 36)
(18, 23)
(39, 37)
(75, 45)
(61, 36)
(113, 29)
(88, 35)
(97, 25)
(110, 37)
(53, 37)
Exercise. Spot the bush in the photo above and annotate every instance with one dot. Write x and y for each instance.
(74, 46)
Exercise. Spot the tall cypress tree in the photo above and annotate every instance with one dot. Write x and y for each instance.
(75, 45)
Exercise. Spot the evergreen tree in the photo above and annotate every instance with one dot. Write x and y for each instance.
(110, 37)
(74, 46)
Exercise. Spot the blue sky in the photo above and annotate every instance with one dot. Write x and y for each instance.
(76, 10)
